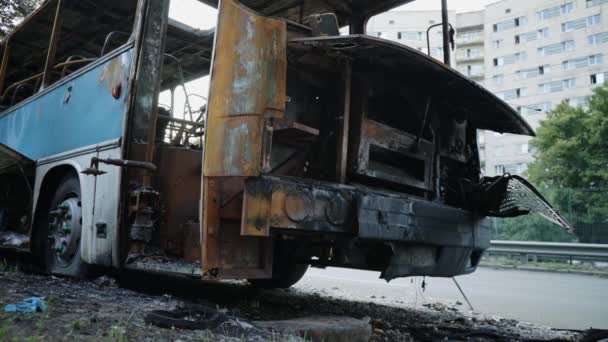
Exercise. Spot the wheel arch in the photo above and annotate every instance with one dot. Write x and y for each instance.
(44, 190)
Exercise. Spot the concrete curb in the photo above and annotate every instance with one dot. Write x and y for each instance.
(544, 269)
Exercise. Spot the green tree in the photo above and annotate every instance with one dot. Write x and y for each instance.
(572, 145)
(571, 169)
(13, 11)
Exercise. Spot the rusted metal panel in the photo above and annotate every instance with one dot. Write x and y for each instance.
(211, 225)
(149, 70)
(50, 56)
(247, 85)
(256, 209)
(179, 189)
(275, 202)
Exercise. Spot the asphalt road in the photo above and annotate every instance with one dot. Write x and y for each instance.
(557, 300)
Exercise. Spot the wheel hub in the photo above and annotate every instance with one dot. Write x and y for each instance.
(65, 225)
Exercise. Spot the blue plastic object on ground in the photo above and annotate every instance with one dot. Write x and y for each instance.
(29, 305)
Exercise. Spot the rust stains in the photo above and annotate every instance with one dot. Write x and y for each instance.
(247, 85)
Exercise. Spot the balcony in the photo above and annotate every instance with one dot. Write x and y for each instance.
(475, 40)
(462, 57)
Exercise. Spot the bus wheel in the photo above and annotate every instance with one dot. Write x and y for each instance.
(64, 227)
(284, 275)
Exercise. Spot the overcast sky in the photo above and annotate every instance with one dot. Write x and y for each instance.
(195, 14)
(457, 5)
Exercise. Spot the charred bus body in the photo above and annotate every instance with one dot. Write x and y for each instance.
(315, 148)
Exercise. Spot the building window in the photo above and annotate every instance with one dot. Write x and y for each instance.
(507, 11)
(556, 48)
(511, 94)
(555, 11)
(535, 108)
(591, 3)
(532, 72)
(510, 59)
(410, 35)
(577, 101)
(498, 79)
(509, 24)
(437, 52)
(470, 36)
(581, 23)
(599, 78)
(599, 38)
(474, 70)
(497, 43)
(552, 87)
(515, 169)
(582, 62)
(531, 36)
(391, 22)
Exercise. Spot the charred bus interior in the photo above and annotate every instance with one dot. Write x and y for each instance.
(363, 154)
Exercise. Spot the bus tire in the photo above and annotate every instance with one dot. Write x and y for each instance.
(282, 277)
(62, 230)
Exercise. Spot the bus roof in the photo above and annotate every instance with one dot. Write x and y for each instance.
(294, 10)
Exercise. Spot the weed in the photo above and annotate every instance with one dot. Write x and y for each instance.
(118, 333)
(8, 267)
(4, 330)
(44, 317)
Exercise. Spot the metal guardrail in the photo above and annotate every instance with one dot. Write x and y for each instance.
(571, 251)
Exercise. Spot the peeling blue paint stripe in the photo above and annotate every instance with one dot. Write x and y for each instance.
(76, 114)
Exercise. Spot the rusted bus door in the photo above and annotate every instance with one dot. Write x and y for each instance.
(247, 91)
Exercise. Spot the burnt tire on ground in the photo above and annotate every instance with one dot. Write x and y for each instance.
(197, 318)
(60, 226)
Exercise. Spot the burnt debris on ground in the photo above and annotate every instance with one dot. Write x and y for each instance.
(81, 310)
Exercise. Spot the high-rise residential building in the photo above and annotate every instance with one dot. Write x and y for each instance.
(533, 54)
(410, 28)
(470, 42)
(543, 53)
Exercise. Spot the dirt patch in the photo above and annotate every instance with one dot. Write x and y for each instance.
(103, 311)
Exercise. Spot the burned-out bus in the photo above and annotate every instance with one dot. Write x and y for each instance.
(319, 145)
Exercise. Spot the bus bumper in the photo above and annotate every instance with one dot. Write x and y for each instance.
(424, 238)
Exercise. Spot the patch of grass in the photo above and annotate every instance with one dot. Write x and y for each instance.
(118, 333)
(4, 330)
(551, 265)
(44, 316)
(8, 267)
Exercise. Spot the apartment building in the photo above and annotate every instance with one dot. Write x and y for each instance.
(534, 54)
(470, 45)
(542, 53)
(410, 28)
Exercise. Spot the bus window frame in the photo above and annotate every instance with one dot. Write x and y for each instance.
(49, 61)
(112, 54)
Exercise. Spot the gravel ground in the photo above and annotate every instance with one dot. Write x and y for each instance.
(100, 310)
